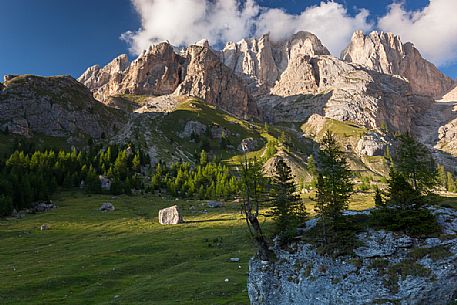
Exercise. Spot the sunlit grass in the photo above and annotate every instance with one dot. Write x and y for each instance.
(124, 257)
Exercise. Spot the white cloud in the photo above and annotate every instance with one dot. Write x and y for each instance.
(433, 30)
(183, 22)
(330, 21)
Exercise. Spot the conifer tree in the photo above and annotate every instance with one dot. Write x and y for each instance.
(203, 158)
(253, 194)
(442, 176)
(401, 193)
(334, 183)
(450, 185)
(415, 163)
(311, 166)
(288, 208)
(378, 201)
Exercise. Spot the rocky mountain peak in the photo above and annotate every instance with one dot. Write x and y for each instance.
(163, 70)
(304, 43)
(385, 53)
(261, 62)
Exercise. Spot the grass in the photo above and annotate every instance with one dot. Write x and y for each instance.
(124, 257)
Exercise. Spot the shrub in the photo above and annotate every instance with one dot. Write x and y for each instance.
(412, 222)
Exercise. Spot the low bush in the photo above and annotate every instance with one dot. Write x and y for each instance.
(417, 223)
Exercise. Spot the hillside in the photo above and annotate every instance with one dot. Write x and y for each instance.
(54, 106)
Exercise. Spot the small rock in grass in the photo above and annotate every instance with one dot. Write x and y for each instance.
(215, 204)
(170, 216)
(107, 207)
(44, 227)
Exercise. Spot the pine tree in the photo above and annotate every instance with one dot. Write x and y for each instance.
(401, 193)
(93, 181)
(203, 158)
(334, 185)
(416, 164)
(450, 185)
(442, 176)
(288, 208)
(311, 166)
(136, 163)
(252, 193)
(378, 201)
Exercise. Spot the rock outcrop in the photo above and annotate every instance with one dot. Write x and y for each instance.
(160, 70)
(371, 144)
(170, 216)
(451, 96)
(385, 53)
(387, 269)
(206, 77)
(54, 106)
(262, 63)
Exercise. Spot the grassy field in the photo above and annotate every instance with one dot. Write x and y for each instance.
(126, 257)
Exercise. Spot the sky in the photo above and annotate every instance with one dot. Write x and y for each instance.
(55, 37)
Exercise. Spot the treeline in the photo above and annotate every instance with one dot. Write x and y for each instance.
(28, 177)
(206, 180)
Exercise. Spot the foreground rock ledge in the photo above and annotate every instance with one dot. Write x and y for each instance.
(306, 277)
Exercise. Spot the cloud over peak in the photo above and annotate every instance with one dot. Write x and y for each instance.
(433, 29)
(183, 22)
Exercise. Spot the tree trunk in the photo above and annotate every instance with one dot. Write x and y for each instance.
(265, 252)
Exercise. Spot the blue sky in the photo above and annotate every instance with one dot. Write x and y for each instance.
(55, 37)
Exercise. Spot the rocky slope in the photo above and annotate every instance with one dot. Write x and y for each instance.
(387, 269)
(379, 82)
(295, 78)
(196, 71)
(385, 53)
(286, 80)
(54, 106)
(451, 95)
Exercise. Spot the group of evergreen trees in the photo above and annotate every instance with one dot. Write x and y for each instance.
(413, 176)
(28, 177)
(206, 180)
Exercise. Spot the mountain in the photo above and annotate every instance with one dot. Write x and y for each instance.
(296, 78)
(375, 90)
(54, 106)
(196, 71)
(385, 53)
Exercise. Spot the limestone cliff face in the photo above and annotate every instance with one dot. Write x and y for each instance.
(197, 71)
(275, 67)
(54, 106)
(346, 92)
(295, 78)
(102, 81)
(384, 52)
(209, 79)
